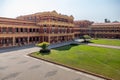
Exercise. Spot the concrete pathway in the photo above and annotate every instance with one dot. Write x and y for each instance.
(106, 46)
(16, 65)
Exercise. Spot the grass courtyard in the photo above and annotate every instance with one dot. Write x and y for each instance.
(113, 42)
(103, 61)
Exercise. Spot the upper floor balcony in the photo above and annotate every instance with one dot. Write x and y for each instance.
(56, 23)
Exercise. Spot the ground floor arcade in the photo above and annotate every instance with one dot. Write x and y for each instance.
(20, 41)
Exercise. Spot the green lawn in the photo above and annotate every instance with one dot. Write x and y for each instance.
(98, 60)
(113, 42)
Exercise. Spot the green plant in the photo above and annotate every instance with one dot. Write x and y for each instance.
(45, 51)
(44, 46)
(86, 38)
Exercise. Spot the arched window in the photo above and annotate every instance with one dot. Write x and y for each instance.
(45, 29)
(63, 30)
(4, 29)
(53, 29)
(10, 29)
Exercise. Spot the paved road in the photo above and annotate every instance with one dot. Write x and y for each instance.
(16, 65)
(106, 46)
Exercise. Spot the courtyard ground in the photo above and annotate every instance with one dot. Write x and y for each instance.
(112, 42)
(103, 61)
(16, 65)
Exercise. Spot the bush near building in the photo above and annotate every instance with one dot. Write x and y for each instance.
(86, 38)
(44, 46)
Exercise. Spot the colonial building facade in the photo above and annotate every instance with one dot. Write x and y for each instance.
(15, 32)
(105, 30)
(82, 28)
(35, 28)
(51, 27)
(98, 30)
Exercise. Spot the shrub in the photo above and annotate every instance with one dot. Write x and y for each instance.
(44, 46)
(45, 51)
(86, 38)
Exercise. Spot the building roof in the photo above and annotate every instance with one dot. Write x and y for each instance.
(98, 24)
(14, 20)
(49, 13)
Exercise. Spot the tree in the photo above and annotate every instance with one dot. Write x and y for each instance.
(44, 46)
(107, 21)
(86, 38)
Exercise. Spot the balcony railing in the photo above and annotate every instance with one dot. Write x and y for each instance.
(56, 23)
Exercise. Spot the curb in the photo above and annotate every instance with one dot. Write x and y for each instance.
(76, 69)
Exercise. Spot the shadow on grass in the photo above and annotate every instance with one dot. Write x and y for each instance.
(86, 42)
(67, 47)
(44, 53)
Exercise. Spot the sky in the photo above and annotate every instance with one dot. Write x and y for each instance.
(93, 10)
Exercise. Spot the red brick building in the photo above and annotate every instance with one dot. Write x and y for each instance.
(51, 27)
(105, 30)
(82, 28)
(98, 30)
